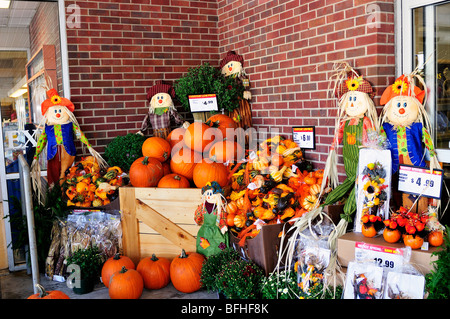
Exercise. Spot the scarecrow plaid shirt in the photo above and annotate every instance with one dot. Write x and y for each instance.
(162, 121)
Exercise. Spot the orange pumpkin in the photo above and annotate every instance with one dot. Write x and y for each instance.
(200, 137)
(391, 235)
(222, 122)
(309, 180)
(52, 294)
(126, 284)
(226, 151)
(183, 162)
(156, 147)
(232, 207)
(318, 173)
(368, 230)
(114, 264)
(230, 219)
(413, 241)
(174, 181)
(185, 271)
(175, 137)
(146, 172)
(435, 238)
(208, 171)
(277, 160)
(166, 168)
(154, 271)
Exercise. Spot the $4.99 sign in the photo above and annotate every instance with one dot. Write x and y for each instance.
(384, 256)
(417, 180)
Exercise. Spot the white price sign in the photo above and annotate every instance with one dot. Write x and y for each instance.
(304, 137)
(203, 103)
(417, 180)
(384, 256)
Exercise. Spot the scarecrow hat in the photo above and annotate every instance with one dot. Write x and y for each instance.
(400, 87)
(354, 84)
(54, 99)
(232, 56)
(160, 87)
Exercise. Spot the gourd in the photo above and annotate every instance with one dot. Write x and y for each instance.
(146, 172)
(114, 264)
(260, 163)
(126, 284)
(239, 220)
(185, 271)
(156, 147)
(309, 202)
(154, 271)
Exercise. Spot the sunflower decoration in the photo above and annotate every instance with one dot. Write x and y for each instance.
(55, 99)
(353, 83)
(374, 187)
(399, 87)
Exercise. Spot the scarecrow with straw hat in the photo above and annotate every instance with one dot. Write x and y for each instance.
(356, 126)
(233, 65)
(60, 128)
(161, 111)
(406, 126)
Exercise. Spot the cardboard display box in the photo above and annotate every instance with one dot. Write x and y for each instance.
(420, 259)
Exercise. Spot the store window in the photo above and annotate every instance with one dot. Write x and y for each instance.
(30, 55)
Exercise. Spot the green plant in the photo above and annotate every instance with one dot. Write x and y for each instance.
(213, 265)
(438, 280)
(122, 151)
(280, 285)
(240, 279)
(89, 260)
(206, 79)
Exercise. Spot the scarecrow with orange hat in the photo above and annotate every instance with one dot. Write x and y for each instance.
(233, 65)
(58, 135)
(406, 126)
(161, 110)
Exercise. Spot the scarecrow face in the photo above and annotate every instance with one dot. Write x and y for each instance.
(231, 67)
(404, 110)
(57, 114)
(355, 104)
(210, 197)
(162, 100)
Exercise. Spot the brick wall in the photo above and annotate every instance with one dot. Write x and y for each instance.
(289, 46)
(122, 47)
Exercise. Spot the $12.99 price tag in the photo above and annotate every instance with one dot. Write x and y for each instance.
(420, 181)
(384, 256)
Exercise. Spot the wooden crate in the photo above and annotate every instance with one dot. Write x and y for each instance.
(158, 221)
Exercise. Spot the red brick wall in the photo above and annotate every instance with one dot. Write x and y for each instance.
(123, 47)
(288, 46)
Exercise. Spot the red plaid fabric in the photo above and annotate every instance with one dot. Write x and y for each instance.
(363, 86)
(158, 122)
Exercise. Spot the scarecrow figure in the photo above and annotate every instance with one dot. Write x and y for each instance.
(161, 110)
(60, 128)
(355, 127)
(212, 236)
(406, 127)
(233, 65)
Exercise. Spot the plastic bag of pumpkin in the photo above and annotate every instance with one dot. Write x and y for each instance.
(86, 185)
(275, 185)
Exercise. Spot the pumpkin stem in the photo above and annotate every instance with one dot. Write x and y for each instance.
(177, 177)
(116, 256)
(42, 292)
(145, 161)
(183, 254)
(154, 258)
(123, 270)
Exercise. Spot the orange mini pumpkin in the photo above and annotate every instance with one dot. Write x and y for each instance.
(368, 230)
(156, 147)
(413, 241)
(391, 235)
(174, 181)
(435, 238)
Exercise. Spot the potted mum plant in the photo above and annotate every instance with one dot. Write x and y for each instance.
(85, 266)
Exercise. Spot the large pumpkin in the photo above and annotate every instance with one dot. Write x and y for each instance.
(200, 137)
(208, 171)
(226, 151)
(146, 172)
(156, 147)
(175, 137)
(154, 271)
(185, 271)
(114, 264)
(52, 294)
(126, 284)
(174, 181)
(222, 122)
(183, 162)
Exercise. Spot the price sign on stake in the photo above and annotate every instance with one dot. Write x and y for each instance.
(384, 256)
(203, 103)
(417, 180)
(304, 136)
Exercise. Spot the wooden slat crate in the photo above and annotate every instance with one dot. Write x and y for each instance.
(158, 221)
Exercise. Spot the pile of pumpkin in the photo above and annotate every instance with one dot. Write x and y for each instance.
(271, 187)
(190, 156)
(87, 185)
